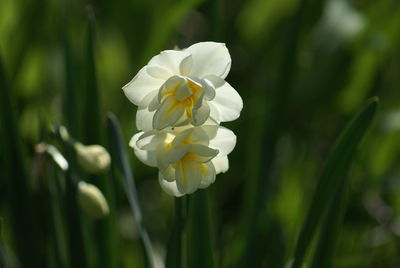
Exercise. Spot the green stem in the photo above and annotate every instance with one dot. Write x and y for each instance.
(175, 253)
(199, 235)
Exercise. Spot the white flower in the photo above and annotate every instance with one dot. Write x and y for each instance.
(187, 86)
(188, 158)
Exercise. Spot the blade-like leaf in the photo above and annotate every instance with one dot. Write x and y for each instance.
(21, 201)
(262, 188)
(121, 163)
(57, 222)
(333, 175)
(3, 256)
(92, 130)
(199, 242)
(331, 228)
(80, 244)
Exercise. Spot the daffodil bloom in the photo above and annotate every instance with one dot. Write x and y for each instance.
(180, 87)
(188, 158)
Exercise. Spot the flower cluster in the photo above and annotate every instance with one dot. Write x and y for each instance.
(182, 98)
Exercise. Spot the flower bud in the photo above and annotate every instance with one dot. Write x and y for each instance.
(92, 200)
(93, 158)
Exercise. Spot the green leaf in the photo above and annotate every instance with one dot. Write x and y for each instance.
(3, 256)
(331, 228)
(199, 235)
(92, 130)
(79, 242)
(121, 163)
(261, 189)
(20, 199)
(333, 175)
(91, 107)
(58, 219)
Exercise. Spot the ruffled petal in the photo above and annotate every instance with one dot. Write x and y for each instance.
(169, 187)
(147, 157)
(209, 175)
(228, 103)
(200, 115)
(169, 61)
(188, 176)
(221, 138)
(168, 113)
(221, 164)
(202, 153)
(140, 86)
(210, 58)
(144, 119)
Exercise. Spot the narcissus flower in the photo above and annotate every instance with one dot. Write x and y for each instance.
(181, 87)
(188, 158)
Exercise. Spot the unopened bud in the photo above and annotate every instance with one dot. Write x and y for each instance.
(92, 200)
(93, 158)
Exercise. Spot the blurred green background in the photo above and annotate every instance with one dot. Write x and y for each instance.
(303, 68)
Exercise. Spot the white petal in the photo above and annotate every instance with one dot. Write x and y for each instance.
(209, 175)
(188, 176)
(200, 115)
(141, 85)
(202, 153)
(221, 164)
(163, 158)
(149, 158)
(168, 174)
(209, 89)
(148, 99)
(181, 135)
(221, 138)
(144, 119)
(159, 72)
(186, 65)
(195, 135)
(178, 152)
(214, 115)
(168, 113)
(183, 91)
(228, 102)
(210, 58)
(169, 187)
(151, 140)
(169, 60)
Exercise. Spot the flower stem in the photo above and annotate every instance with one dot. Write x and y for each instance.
(175, 250)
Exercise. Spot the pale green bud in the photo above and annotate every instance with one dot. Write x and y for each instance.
(93, 158)
(92, 200)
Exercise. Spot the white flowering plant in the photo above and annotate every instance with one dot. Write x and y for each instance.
(182, 98)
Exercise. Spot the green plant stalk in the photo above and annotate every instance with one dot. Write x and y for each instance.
(333, 175)
(175, 251)
(58, 219)
(260, 190)
(199, 234)
(20, 199)
(71, 101)
(121, 163)
(77, 250)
